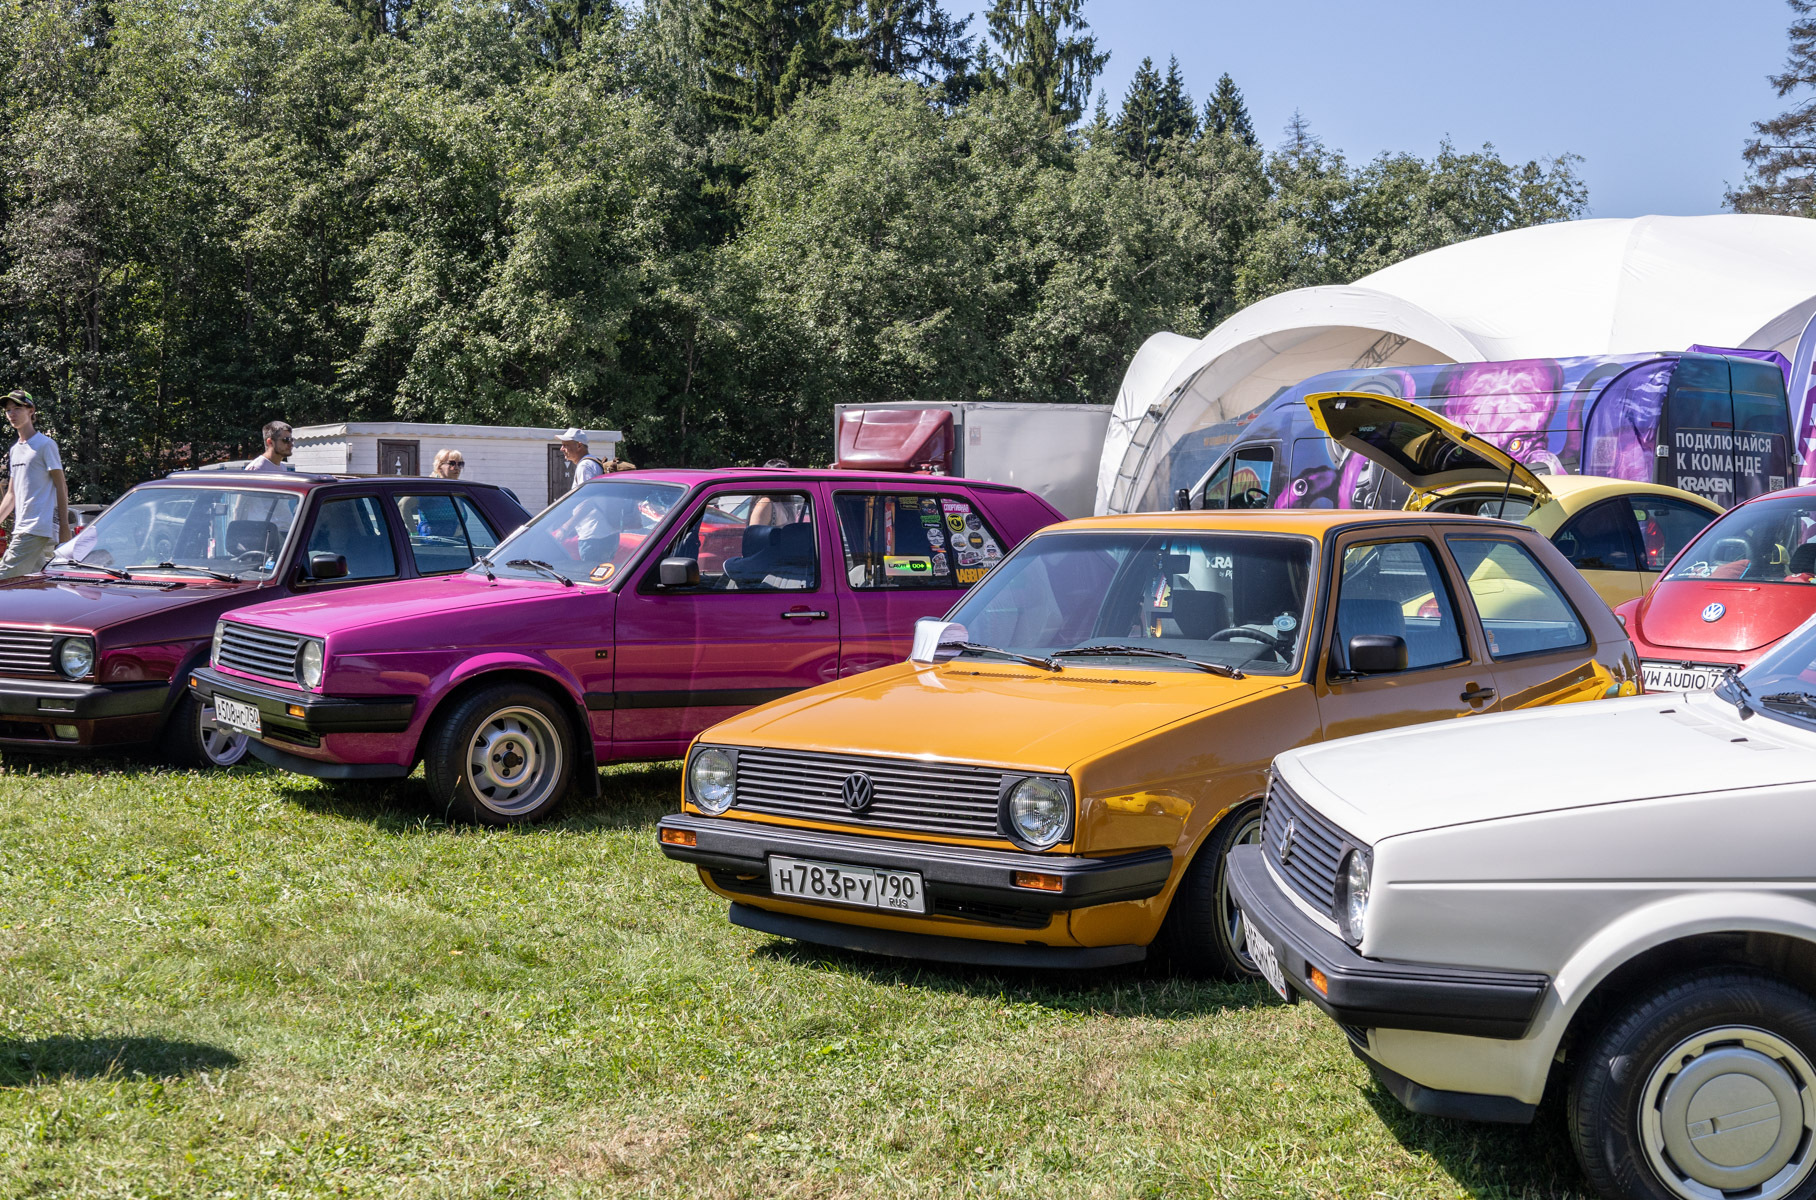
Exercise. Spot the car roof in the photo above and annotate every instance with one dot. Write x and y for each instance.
(1313, 522)
(298, 481)
(1587, 488)
(691, 476)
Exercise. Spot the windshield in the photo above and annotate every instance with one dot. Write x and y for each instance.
(1233, 599)
(1783, 682)
(239, 533)
(1767, 540)
(591, 532)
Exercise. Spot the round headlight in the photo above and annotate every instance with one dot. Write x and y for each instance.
(1040, 812)
(214, 651)
(309, 663)
(76, 657)
(1352, 897)
(713, 778)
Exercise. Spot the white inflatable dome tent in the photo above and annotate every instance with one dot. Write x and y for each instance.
(1574, 288)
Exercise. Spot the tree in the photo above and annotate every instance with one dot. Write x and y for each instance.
(916, 39)
(1225, 113)
(759, 55)
(1154, 112)
(1781, 160)
(1043, 52)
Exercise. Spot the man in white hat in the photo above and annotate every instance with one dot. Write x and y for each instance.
(574, 449)
(35, 495)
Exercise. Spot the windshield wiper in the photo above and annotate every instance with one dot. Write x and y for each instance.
(1805, 700)
(1045, 664)
(536, 564)
(1227, 672)
(110, 572)
(223, 576)
(1744, 699)
(484, 563)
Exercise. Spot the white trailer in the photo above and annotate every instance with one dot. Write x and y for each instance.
(1051, 450)
(526, 460)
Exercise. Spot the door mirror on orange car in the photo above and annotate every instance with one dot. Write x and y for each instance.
(1376, 653)
(323, 565)
(935, 640)
(678, 572)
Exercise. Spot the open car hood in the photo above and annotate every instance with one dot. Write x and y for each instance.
(1416, 444)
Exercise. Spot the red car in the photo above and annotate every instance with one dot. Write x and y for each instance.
(1746, 581)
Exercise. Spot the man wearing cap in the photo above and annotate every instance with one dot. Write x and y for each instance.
(278, 445)
(36, 495)
(574, 449)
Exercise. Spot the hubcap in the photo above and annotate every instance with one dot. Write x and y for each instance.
(1248, 835)
(1730, 1110)
(513, 760)
(222, 747)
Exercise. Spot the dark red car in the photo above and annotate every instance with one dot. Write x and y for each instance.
(1745, 582)
(97, 651)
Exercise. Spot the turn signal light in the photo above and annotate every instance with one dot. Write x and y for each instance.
(295, 710)
(677, 837)
(1039, 882)
(1320, 982)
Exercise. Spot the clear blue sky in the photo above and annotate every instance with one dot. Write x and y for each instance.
(1657, 96)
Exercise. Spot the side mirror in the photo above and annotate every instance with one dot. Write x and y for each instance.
(1377, 653)
(936, 641)
(678, 572)
(1182, 500)
(323, 565)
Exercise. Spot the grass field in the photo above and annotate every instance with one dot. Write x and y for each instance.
(254, 985)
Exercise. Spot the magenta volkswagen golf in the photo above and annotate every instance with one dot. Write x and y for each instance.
(633, 613)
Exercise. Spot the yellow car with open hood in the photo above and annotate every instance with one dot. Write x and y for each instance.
(1056, 774)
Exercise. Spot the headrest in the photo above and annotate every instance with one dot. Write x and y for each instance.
(1368, 614)
(758, 538)
(796, 544)
(1803, 560)
(243, 536)
(1199, 614)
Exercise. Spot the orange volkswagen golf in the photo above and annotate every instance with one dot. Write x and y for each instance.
(1056, 774)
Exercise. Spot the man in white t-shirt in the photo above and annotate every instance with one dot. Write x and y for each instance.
(278, 444)
(36, 495)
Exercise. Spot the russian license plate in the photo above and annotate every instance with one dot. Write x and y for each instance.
(243, 718)
(1681, 677)
(834, 883)
(1261, 952)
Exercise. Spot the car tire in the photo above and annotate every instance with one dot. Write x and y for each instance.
(1202, 934)
(196, 742)
(502, 756)
(1648, 1097)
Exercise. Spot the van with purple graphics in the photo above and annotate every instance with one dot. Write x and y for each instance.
(1712, 422)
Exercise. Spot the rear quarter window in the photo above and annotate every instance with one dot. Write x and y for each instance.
(1523, 609)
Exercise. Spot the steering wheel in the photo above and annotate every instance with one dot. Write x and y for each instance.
(1254, 497)
(250, 558)
(1253, 634)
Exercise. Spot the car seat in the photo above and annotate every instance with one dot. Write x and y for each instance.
(1803, 560)
(245, 537)
(1194, 615)
(775, 556)
(1359, 615)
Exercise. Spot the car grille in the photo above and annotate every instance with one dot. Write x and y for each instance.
(263, 652)
(1317, 847)
(919, 797)
(27, 652)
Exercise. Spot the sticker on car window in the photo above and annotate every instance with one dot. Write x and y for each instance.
(969, 575)
(897, 565)
(602, 572)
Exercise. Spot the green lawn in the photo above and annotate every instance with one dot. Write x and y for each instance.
(255, 985)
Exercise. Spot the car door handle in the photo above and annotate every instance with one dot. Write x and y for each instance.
(1476, 695)
(811, 615)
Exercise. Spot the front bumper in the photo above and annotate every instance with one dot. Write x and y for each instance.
(301, 718)
(31, 710)
(1367, 993)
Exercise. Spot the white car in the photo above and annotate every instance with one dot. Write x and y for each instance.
(1622, 895)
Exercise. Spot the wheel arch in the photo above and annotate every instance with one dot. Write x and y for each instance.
(587, 765)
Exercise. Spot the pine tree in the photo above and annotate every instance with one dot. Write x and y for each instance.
(1301, 142)
(1042, 50)
(1177, 117)
(759, 55)
(1781, 161)
(1135, 134)
(916, 39)
(1226, 114)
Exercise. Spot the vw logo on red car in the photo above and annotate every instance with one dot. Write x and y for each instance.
(1713, 612)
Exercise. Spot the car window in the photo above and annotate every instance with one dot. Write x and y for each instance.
(1771, 540)
(1397, 589)
(911, 541)
(753, 542)
(1243, 481)
(590, 533)
(1522, 607)
(1600, 538)
(355, 528)
(446, 532)
(242, 532)
(1665, 527)
(1509, 508)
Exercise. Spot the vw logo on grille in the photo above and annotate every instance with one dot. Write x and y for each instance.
(1286, 840)
(857, 791)
(1714, 612)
